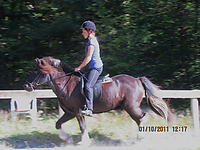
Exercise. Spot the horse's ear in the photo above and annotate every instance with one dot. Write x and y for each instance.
(37, 60)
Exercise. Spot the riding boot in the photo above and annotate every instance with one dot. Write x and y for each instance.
(89, 104)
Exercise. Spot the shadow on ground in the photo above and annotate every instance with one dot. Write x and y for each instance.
(48, 140)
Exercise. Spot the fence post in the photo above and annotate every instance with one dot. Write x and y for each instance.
(12, 109)
(195, 113)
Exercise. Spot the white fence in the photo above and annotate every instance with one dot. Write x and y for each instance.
(192, 94)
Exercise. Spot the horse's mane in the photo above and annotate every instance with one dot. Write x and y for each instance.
(50, 65)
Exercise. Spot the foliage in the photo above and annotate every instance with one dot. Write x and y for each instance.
(157, 39)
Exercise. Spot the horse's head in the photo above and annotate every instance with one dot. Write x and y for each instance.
(46, 68)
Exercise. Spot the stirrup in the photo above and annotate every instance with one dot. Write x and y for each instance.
(87, 112)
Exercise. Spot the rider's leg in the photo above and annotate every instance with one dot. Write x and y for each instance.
(92, 78)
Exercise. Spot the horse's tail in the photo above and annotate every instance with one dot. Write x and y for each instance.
(155, 101)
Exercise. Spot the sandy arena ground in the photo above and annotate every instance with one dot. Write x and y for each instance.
(152, 141)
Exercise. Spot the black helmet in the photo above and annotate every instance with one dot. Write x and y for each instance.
(88, 25)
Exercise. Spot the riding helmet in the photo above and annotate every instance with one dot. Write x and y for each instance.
(88, 25)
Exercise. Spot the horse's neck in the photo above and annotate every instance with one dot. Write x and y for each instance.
(63, 86)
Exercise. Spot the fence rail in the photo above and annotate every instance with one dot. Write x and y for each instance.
(48, 93)
(8, 94)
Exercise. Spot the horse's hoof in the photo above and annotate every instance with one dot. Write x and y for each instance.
(84, 144)
(70, 140)
(65, 137)
(140, 138)
(144, 120)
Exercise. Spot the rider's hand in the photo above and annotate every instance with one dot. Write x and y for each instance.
(77, 69)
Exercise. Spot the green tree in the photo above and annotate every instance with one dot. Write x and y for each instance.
(157, 39)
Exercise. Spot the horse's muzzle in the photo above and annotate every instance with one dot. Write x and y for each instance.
(28, 87)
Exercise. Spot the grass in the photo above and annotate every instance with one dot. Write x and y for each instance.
(107, 129)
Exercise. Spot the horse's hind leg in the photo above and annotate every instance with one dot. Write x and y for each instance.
(62, 135)
(85, 141)
(137, 115)
(132, 107)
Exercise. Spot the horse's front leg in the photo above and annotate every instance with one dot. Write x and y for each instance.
(62, 135)
(85, 140)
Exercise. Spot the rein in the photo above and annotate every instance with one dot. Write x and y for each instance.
(35, 83)
(62, 76)
(83, 75)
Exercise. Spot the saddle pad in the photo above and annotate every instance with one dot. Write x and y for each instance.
(97, 90)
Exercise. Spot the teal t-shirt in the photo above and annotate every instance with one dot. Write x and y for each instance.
(96, 61)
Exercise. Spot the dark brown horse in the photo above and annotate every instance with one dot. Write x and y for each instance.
(124, 92)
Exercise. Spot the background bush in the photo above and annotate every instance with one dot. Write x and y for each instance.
(157, 39)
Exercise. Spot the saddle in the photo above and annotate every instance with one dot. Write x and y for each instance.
(97, 89)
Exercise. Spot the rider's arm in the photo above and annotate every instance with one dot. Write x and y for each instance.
(87, 58)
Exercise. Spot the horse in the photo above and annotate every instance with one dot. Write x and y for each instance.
(124, 92)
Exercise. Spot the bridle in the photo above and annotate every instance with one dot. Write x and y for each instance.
(35, 83)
